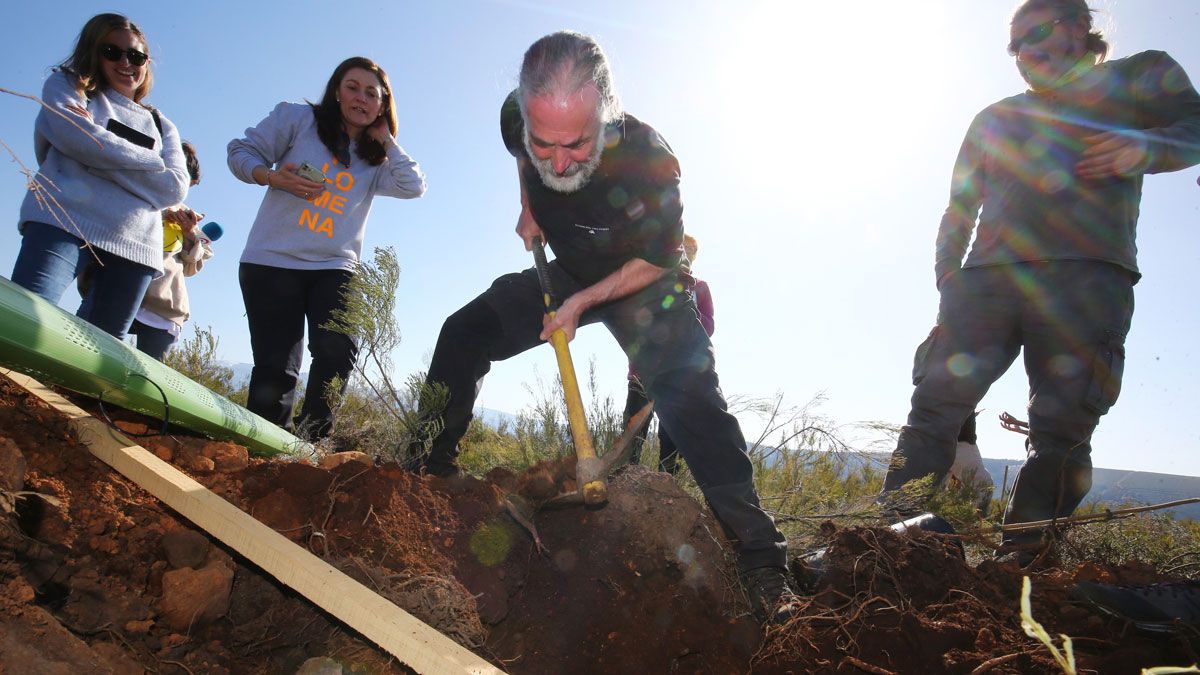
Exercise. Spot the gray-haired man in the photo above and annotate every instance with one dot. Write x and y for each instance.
(602, 188)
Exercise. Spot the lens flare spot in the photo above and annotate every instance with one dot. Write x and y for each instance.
(635, 209)
(1034, 148)
(960, 364)
(1054, 181)
(685, 554)
(678, 287)
(491, 542)
(618, 197)
(668, 301)
(1065, 365)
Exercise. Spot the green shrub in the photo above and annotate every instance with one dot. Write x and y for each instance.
(376, 414)
(196, 357)
(1154, 538)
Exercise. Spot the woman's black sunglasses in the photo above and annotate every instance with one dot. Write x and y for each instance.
(114, 53)
(1034, 35)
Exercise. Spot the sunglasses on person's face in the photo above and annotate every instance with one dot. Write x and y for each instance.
(114, 53)
(1034, 35)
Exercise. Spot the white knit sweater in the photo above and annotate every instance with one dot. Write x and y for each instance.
(111, 190)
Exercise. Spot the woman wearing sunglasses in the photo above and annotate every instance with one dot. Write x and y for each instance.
(322, 165)
(111, 165)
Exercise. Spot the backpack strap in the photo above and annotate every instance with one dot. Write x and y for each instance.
(156, 116)
(87, 98)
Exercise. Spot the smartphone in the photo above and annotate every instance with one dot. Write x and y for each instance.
(309, 172)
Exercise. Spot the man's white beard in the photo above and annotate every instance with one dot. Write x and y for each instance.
(579, 174)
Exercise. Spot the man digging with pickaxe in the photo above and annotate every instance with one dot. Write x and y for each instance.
(602, 189)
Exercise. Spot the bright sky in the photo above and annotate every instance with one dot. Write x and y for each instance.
(816, 141)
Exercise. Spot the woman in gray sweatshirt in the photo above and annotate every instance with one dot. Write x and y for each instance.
(322, 165)
(111, 165)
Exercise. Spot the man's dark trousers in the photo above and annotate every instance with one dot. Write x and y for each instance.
(1071, 317)
(660, 331)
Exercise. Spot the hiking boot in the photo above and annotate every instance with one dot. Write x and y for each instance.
(1154, 608)
(1027, 553)
(770, 596)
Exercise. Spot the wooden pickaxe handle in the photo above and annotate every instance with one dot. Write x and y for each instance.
(588, 470)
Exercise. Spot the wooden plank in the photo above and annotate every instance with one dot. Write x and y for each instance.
(399, 633)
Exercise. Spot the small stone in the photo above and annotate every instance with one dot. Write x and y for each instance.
(538, 485)
(185, 548)
(12, 466)
(193, 598)
(226, 457)
(339, 458)
(320, 665)
(18, 591)
(138, 627)
(170, 641)
(134, 428)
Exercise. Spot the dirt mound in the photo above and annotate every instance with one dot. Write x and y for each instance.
(904, 602)
(98, 576)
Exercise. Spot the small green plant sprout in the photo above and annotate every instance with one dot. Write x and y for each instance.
(1065, 658)
(1170, 670)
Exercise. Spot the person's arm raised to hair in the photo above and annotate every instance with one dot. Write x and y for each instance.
(630, 278)
(160, 189)
(401, 176)
(958, 222)
(1169, 140)
(67, 126)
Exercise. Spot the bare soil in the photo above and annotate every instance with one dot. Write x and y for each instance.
(102, 577)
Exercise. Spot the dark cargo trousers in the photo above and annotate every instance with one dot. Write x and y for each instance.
(659, 330)
(1071, 318)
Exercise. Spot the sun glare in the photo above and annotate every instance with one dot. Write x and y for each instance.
(829, 87)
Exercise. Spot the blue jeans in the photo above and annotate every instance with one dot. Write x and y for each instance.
(51, 258)
(153, 341)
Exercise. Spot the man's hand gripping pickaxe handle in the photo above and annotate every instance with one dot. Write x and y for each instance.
(589, 472)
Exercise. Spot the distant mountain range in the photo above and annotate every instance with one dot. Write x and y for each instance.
(1120, 487)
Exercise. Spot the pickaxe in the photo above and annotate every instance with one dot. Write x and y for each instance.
(591, 471)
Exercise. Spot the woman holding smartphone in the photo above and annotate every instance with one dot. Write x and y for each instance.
(322, 165)
(115, 164)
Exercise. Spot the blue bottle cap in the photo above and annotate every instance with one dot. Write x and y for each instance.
(212, 230)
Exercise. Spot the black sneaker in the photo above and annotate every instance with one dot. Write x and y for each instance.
(1156, 608)
(770, 596)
